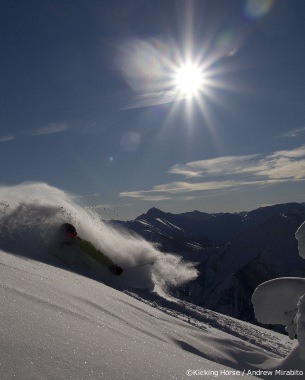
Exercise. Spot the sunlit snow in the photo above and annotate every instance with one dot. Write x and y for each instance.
(66, 322)
(282, 301)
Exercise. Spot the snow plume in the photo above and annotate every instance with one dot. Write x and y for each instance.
(173, 271)
(32, 213)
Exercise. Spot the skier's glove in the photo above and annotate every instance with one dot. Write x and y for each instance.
(116, 270)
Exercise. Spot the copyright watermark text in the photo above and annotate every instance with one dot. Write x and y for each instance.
(228, 372)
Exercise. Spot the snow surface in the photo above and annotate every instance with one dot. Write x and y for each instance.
(167, 223)
(300, 236)
(59, 324)
(282, 301)
(300, 322)
(276, 301)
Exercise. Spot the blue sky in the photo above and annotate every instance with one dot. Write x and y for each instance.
(89, 102)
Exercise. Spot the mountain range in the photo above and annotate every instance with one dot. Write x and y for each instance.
(234, 252)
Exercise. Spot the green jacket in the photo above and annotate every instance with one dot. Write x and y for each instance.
(90, 250)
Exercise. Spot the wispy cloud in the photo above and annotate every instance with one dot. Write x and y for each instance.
(50, 129)
(294, 132)
(147, 195)
(7, 138)
(153, 99)
(176, 188)
(214, 166)
(230, 172)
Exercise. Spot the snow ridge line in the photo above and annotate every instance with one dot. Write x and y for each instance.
(204, 319)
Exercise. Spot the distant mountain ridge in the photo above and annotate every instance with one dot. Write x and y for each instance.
(235, 252)
(201, 229)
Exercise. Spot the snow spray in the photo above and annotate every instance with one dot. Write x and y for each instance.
(31, 214)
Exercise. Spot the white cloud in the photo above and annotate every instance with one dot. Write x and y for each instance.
(185, 187)
(250, 170)
(145, 195)
(153, 99)
(214, 166)
(294, 133)
(155, 198)
(294, 153)
(45, 130)
(50, 129)
(284, 168)
(7, 138)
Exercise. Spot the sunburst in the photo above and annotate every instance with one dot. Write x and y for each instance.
(189, 80)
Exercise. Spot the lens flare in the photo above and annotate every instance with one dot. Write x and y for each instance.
(255, 9)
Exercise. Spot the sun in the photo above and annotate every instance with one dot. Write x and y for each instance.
(189, 80)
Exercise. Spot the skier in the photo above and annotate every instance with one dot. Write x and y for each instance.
(71, 238)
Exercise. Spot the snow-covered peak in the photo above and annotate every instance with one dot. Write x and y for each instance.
(152, 213)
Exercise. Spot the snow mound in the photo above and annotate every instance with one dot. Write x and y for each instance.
(300, 236)
(282, 301)
(275, 301)
(300, 322)
(31, 214)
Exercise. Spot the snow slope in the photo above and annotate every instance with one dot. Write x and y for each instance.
(59, 324)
